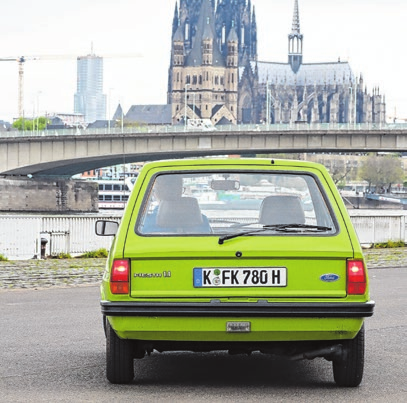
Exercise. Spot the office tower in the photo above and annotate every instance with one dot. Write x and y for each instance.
(89, 97)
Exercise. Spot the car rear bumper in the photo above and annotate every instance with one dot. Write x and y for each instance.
(261, 309)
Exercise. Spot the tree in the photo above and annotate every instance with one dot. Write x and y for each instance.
(31, 124)
(381, 171)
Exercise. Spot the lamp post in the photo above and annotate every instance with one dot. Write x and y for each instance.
(267, 104)
(353, 94)
(108, 109)
(38, 111)
(185, 114)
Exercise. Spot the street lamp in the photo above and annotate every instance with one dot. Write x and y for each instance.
(267, 103)
(185, 114)
(108, 109)
(38, 111)
(353, 97)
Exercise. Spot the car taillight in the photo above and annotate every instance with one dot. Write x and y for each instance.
(119, 279)
(356, 277)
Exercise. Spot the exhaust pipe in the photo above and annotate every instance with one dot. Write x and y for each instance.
(329, 353)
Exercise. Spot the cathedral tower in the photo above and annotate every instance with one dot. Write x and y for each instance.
(295, 42)
(208, 45)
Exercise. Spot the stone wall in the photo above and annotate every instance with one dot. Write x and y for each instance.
(48, 195)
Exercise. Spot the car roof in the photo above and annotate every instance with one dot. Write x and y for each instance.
(202, 162)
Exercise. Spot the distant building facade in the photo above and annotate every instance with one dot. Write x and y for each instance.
(66, 121)
(214, 73)
(89, 98)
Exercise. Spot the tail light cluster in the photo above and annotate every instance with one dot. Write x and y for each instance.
(119, 278)
(356, 277)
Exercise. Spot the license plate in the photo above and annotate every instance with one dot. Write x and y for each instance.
(241, 277)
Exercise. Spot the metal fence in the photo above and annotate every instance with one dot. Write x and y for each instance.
(312, 127)
(21, 236)
(379, 226)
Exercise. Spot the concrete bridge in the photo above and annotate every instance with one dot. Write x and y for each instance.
(68, 153)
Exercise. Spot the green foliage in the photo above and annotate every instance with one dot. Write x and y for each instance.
(31, 124)
(100, 253)
(381, 170)
(62, 256)
(389, 244)
(3, 258)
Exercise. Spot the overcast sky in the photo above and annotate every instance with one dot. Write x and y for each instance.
(370, 34)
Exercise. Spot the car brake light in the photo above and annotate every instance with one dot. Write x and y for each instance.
(356, 277)
(119, 279)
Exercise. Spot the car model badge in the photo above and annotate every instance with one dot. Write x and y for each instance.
(329, 278)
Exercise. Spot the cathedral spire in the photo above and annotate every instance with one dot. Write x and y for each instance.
(175, 21)
(295, 41)
(296, 20)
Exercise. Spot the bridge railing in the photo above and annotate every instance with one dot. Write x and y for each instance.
(312, 127)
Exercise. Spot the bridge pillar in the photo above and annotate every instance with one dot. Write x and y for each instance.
(56, 195)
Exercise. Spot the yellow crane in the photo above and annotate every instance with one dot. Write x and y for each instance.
(22, 59)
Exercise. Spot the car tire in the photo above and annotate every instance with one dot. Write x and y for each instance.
(119, 358)
(348, 370)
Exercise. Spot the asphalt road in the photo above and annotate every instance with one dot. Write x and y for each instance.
(52, 350)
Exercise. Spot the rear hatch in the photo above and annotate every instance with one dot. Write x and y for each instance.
(243, 268)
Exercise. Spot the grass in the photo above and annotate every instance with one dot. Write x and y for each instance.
(3, 258)
(389, 244)
(62, 256)
(100, 253)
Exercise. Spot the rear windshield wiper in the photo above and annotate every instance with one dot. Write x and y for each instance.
(276, 227)
(293, 227)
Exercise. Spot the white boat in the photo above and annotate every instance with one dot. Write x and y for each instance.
(114, 193)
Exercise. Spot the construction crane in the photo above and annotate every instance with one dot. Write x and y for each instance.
(22, 59)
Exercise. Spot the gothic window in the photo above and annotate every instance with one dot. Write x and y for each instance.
(200, 79)
(194, 79)
(216, 80)
(177, 77)
(207, 76)
(233, 78)
(188, 81)
(222, 81)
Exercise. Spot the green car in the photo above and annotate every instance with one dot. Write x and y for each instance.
(241, 255)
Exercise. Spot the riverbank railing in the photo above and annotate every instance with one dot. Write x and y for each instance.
(22, 236)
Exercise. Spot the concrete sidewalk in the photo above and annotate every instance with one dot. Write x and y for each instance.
(31, 274)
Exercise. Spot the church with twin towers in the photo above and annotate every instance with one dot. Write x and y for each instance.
(215, 73)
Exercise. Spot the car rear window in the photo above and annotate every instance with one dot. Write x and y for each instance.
(216, 203)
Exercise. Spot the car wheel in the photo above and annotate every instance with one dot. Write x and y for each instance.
(348, 370)
(119, 357)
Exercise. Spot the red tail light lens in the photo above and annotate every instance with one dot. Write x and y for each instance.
(356, 277)
(119, 279)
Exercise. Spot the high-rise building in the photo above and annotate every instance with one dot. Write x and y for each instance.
(89, 97)
(215, 73)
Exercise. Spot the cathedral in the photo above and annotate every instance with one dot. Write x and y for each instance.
(215, 73)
